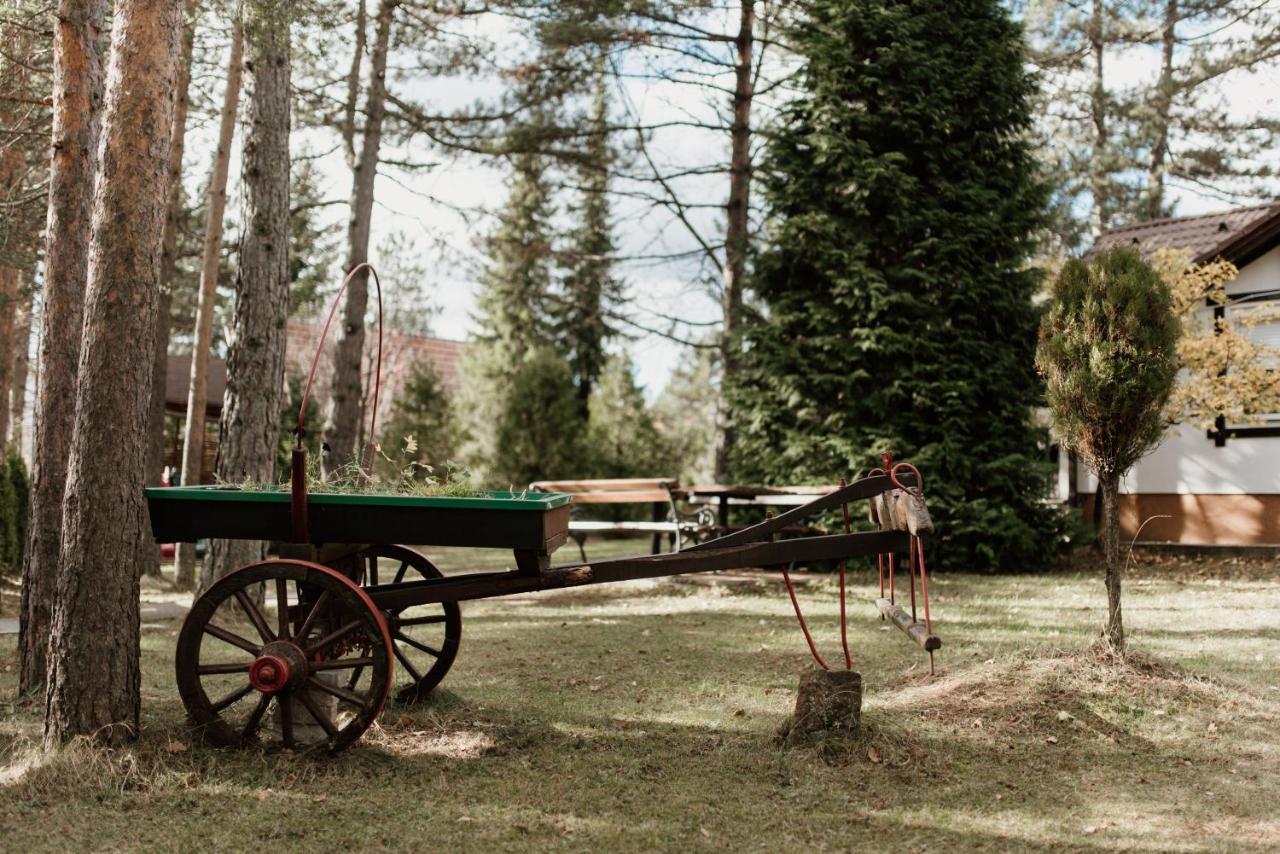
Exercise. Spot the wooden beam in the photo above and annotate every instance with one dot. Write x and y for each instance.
(859, 489)
(916, 631)
(482, 585)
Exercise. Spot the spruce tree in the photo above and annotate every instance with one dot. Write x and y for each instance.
(589, 289)
(421, 413)
(894, 297)
(512, 315)
(537, 430)
(517, 278)
(622, 438)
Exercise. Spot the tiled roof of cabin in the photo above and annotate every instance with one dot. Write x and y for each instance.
(401, 351)
(1230, 234)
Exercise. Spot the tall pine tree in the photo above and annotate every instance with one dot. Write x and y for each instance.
(512, 309)
(590, 290)
(895, 298)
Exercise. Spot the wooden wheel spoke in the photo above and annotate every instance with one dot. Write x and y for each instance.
(373, 570)
(286, 720)
(333, 636)
(404, 566)
(229, 667)
(235, 695)
(282, 605)
(355, 677)
(255, 616)
(341, 664)
(340, 693)
(231, 638)
(322, 601)
(408, 665)
(317, 713)
(434, 653)
(255, 719)
(423, 621)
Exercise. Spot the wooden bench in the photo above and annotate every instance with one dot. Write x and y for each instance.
(723, 496)
(661, 493)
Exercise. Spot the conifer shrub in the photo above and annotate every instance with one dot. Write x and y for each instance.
(893, 292)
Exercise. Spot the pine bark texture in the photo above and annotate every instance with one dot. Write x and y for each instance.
(1161, 105)
(21, 366)
(1099, 174)
(77, 102)
(736, 232)
(343, 429)
(154, 465)
(198, 386)
(1111, 558)
(255, 362)
(94, 673)
(8, 345)
(169, 268)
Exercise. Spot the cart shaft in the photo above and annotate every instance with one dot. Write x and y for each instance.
(483, 585)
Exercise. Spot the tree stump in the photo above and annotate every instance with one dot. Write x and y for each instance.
(828, 702)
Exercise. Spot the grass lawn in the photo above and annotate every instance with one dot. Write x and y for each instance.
(642, 716)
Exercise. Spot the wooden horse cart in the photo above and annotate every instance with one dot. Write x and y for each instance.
(304, 650)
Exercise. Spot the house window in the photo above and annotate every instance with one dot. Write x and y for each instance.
(1257, 315)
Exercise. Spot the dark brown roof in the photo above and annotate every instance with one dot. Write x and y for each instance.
(178, 379)
(1238, 235)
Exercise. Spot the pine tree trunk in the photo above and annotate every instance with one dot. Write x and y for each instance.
(1162, 105)
(736, 233)
(255, 363)
(94, 676)
(1098, 167)
(21, 366)
(77, 101)
(342, 431)
(1111, 560)
(169, 269)
(198, 388)
(155, 414)
(8, 345)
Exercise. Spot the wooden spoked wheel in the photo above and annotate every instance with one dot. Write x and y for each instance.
(424, 638)
(279, 674)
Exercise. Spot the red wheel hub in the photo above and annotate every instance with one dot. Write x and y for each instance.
(269, 673)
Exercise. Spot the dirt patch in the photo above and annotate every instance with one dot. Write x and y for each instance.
(444, 744)
(1040, 696)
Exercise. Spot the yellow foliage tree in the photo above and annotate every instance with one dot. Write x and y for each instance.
(1225, 370)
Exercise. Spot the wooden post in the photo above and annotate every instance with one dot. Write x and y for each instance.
(828, 702)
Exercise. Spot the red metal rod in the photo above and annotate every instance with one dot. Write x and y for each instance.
(924, 589)
(879, 524)
(300, 430)
(911, 564)
(891, 576)
(844, 630)
(893, 476)
(813, 650)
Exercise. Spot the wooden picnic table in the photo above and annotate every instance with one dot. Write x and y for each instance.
(745, 495)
